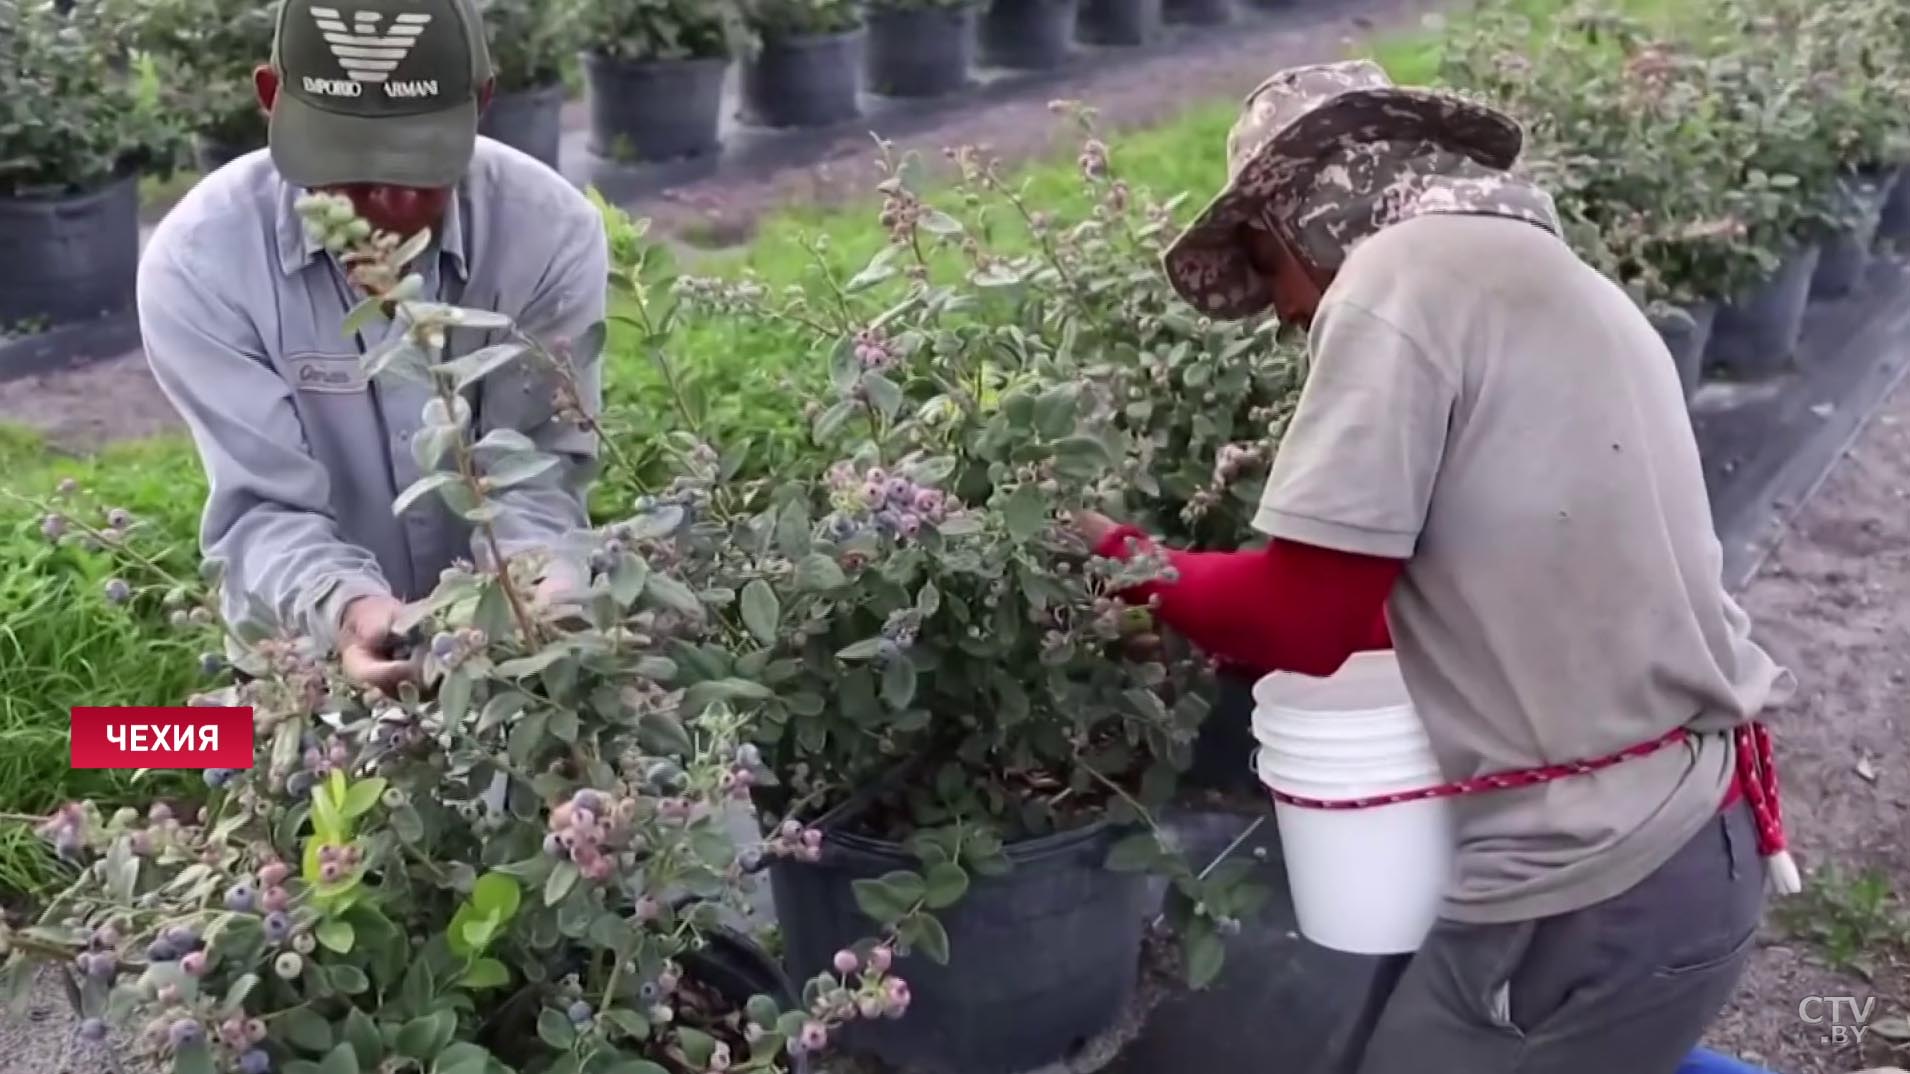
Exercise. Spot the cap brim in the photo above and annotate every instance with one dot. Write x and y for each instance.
(313, 148)
(1208, 265)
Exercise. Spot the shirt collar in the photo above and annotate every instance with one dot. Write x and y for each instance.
(297, 250)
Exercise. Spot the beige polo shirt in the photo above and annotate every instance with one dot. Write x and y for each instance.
(1484, 405)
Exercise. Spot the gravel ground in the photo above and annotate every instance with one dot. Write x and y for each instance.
(1833, 603)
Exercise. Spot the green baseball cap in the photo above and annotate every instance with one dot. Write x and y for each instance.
(377, 91)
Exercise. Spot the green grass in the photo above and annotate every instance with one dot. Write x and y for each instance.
(60, 644)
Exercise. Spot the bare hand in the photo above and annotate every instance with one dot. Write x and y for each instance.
(560, 593)
(367, 645)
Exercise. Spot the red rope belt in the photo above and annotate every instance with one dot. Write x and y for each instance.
(1756, 778)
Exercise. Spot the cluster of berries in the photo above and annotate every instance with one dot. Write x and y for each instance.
(66, 830)
(337, 861)
(792, 840)
(317, 763)
(331, 221)
(1235, 459)
(872, 351)
(877, 996)
(898, 507)
(591, 827)
(451, 648)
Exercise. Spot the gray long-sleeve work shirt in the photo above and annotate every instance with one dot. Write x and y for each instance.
(243, 319)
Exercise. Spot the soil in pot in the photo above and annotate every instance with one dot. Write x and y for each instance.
(70, 257)
(1043, 958)
(803, 81)
(1200, 12)
(920, 52)
(1893, 226)
(1119, 22)
(1686, 335)
(654, 110)
(1846, 252)
(1028, 35)
(529, 121)
(1756, 333)
(1224, 747)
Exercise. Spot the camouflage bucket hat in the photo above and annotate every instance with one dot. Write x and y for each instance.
(1288, 128)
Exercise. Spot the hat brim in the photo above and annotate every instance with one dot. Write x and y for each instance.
(1209, 266)
(314, 148)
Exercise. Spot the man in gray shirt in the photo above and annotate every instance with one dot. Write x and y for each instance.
(243, 316)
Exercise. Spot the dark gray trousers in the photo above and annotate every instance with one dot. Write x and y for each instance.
(1626, 986)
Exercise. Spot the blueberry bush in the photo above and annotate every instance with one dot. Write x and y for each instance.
(522, 863)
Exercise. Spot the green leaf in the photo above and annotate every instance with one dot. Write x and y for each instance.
(421, 488)
(702, 694)
(628, 578)
(462, 1057)
(946, 883)
(497, 895)
(341, 1060)
(505, 442)
(878, 269)
(562, 879)
(367, 310)
(635, 1066)
(884, 395)
(763, 1010)
(1025, 513)
(866, 649)
(1137, 853)
(932, 939)
(697, 1046)
(429, 444)
(936, 222)
(817, 573)
(349, 979)
(513, 470)
(762, 613)
(194, 1059)
(235, 994)
(363, 1037)
(898, 682)
(556, 1030)
(335, 935)
(306, 1030)
(424, 1037)
(475, 366)
(1204, 954)
(831, 421)
(672, 594)
(889, 898)
(363, 795)
(634, 1025)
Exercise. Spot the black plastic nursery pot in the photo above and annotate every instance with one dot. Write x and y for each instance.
(803, 81)
(69, 257)
(1224, 748)
(1119, 22)
(654, 110)
(1200, 12)
(1893, 224)
(1686, 337)
(1028, 35)
(1043, 958)
(920, 52)
(530, 121)
(1756, 334)
(1846, 251)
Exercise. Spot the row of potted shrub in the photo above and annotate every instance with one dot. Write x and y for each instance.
(82, 124)
(1727, 182)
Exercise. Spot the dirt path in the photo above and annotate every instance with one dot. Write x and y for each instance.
(117, 399)
(1834, 605)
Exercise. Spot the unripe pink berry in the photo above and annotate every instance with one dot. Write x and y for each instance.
(846, 961)
(880, 958)
(275, 899)
(194, 964)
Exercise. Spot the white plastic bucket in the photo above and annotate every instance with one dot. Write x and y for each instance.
(1365, 881)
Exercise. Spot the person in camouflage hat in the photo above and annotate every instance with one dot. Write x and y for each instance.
(1327, 155)
(1491, 472)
